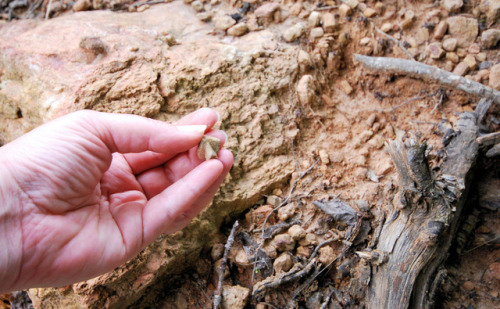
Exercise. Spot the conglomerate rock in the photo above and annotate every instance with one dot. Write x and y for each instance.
(161, 63)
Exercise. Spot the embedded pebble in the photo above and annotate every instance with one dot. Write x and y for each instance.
(369, 12)
(217, 252)
(422, 35)
(452, 5)
(474, 48)
(314, 19)
(238, 29)
(345, 10)
(296, 9)
(241, 258)
(352, 3)
(266, 10)
(204, 16)
(346, 87)
(283, 242)
(306, 89)
(450, 44)
(470, 61)
(469, 285)
(316, 33)
(81, 5)
(283, 263)
(304, 251)
(435, 51)
(271, 251)
(494, 268)
(197, 6)
(286, 212)
(294, 32)
(365, 135)
(464, 29)
(234, 297)
(224, 22)
(310, 239)
(364, 41)
(324, 156)
(304, 58)
(208, 147)
(326, 255)
(440, 30)
(490, 38)
(481, 57)
(274, 200)
(258, 215)
(329, 22)
(297, 232)
(461, 69)
(453, 57)
(495, 77)
(386, 27)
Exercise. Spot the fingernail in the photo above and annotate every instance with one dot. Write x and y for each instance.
(218, 115)
(225, 135)
(193, 128)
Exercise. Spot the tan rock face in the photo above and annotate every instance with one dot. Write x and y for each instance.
(45, 74)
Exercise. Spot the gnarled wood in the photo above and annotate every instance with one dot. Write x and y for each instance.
(418, 233)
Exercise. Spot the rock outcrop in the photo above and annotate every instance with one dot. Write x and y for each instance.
(161, 63)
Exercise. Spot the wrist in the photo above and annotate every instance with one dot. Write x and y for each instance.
(10, 228)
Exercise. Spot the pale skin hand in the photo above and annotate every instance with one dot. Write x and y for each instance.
(86, 192)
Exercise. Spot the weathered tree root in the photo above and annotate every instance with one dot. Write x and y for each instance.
(424, 71)
(418, 233)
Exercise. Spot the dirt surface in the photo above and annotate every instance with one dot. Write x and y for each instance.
(337, 119)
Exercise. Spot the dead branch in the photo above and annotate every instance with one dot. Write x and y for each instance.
(297, 272)
(494, 151)
(423, 223)
(428, 72)
(489, 139)
(278, 228)
(222, 268)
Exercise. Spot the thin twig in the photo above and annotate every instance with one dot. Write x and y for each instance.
(327, 300)
(148, 3)
(297, 272)
(409, 101)
(428, 72)
(325, 8)
(48, 9)
(441, 97)
(483, 244)
(222, 268)
(292, 188)
(395, 41)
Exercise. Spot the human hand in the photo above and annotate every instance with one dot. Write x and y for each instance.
(86, 192)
